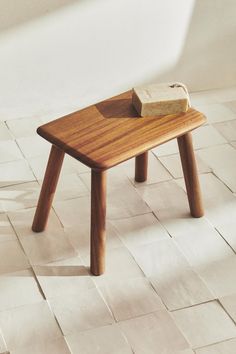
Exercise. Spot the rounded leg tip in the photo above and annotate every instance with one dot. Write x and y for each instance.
(140, 180)
(96, 271)
(37, 229)
(197, 214)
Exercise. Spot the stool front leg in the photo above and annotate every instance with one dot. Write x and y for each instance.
(189, 167)
(48, 188)
(98, 222)
(141, 167)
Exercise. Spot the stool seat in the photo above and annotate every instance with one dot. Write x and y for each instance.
(110, 132)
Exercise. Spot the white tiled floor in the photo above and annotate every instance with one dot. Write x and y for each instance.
(170, 281)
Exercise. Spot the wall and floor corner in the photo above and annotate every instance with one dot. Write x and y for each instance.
(58, 56)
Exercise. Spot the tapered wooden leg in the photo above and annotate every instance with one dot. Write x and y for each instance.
(48, 189)
(190, 175)
(98, 222)
(141, 167)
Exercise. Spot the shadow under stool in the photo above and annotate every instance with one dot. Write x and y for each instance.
(104, 135)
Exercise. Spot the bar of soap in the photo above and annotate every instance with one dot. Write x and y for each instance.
(160, 99)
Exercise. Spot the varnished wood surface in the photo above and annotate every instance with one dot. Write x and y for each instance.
(48, 189)
(105, 134)
(98, 221)
(141, 167)
(190, 175)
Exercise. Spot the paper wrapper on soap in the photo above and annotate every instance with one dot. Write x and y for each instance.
(160, 99)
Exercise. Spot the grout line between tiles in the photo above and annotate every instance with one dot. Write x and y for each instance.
(225, 310)
(234, 251)
(194, 305)
(214, 343)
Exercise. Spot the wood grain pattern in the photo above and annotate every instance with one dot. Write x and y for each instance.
(98, 221)
(48, 189)
(105, 134)
(190, 175)
(141, 167)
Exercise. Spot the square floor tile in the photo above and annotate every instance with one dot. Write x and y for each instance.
(203, 97)
(123, 203)
(219, 202)
(23, 324)
(154, 333)
(119, 265)
(233, 143)
(130, 298)
(222, 160)
(19, 196)
(227, 347)
(33, 146)
(205, 324)
(79, 237)
(173, 165)
(56, 346)
(12, 257)
(227, 230)
(70, 186)
(9, 151)
(206, 136)
(227, 129)
(169, 202)
(17, 289)
(220, 207)
(70, 165)
(231, 104)
(169, 148)
(141, 229)
(3, 349)
(166, 198)
(4, 132)
(22, 222)
(156, 171)
(38, 165)
(220, 276)
(105, 340)
(43, 247)
(15, 172)
(216, 112)
(229, 304)
(175, 282)
(63, 278)
(24, 126)
(72, 212)
(81, 311)
(122, 198)
(203, 245)
(116, 180)
(6, 231)
(225, 94)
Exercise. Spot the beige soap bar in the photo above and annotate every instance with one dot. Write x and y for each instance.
(160, 99)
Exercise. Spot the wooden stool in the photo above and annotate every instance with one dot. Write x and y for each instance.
(104, 135)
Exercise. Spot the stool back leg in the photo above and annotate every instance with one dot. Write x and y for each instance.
(141, 167)
(190, 175)
(98, 222)
(48, 188)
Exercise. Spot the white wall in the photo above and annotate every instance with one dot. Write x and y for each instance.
(208, 59)
(60, 55)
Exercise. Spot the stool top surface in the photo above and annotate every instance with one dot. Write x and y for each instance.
(110, 132)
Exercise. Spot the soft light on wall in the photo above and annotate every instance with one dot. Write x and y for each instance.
(87, 50)
(61, 56)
